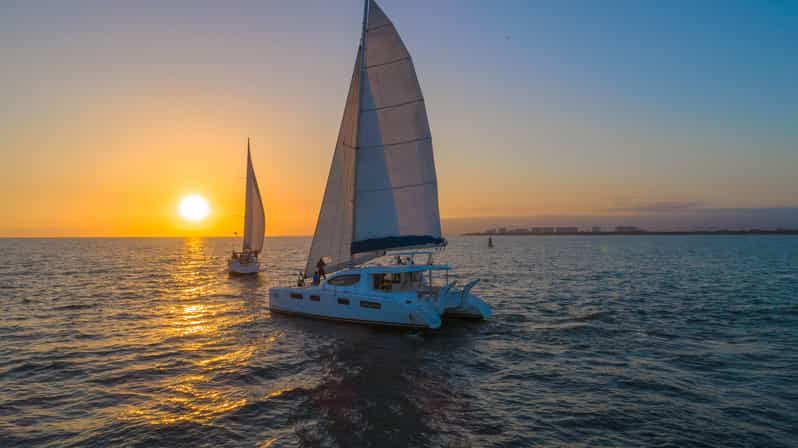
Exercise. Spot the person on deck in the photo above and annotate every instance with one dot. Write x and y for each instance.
(320, 268)
(316, 279)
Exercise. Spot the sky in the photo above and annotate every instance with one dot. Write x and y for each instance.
(616, 112)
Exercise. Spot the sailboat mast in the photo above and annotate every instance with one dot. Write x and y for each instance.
(360, 80)
(363, 33)
(246, 199)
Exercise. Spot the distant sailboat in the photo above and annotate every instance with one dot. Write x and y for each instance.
(246, 261)
(381, 195)
(490, 242)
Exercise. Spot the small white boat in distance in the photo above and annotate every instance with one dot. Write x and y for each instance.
(246, 261)
(381, 197)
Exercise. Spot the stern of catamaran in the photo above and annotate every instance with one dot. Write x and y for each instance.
(433, 285)
(461, 303)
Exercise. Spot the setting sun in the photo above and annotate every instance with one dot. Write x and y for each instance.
(193, 208)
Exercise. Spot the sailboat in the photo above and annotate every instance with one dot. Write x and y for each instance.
(380, 203)
(490, 242)
(246, 261)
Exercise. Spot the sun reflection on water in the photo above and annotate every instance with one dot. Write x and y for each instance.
(189, 399)
(193, 319)
(195, 398)
(196, 320)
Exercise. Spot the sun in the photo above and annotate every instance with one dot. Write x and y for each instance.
(193, 208)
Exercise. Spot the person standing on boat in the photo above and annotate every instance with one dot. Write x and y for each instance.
(320, 268)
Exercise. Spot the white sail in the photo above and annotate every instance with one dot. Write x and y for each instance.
(396, 192)
(382, 189)
(333, 235)
(254, 215)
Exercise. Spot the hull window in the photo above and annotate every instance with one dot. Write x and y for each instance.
(315, 298)
(296, 296)
(344, 280)
(343, 301)
(373, 305)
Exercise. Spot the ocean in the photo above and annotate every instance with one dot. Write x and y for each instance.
(595, 341)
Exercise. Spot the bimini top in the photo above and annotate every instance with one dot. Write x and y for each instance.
(382, 190)
(394, 269)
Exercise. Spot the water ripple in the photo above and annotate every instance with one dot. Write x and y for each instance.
(645, 341)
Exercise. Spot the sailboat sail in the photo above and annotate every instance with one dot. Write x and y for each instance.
(382, 189)
(333, 234)
(254, 215)
(396, 190)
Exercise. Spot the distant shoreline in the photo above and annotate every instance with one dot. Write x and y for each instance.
(641, 233)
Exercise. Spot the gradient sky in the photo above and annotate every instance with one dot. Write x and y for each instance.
(111, 111)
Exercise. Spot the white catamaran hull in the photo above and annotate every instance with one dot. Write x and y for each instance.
(329, 304)
(362, 304)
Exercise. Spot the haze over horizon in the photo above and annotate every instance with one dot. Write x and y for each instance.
(676, 116)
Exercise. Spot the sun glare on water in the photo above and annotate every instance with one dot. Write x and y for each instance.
(193, 208)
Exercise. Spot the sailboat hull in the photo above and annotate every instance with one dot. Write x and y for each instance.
(235, 267)
(396, 296)
(339, 304)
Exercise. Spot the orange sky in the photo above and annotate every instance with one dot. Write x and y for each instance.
(119, 167)
(110, 114)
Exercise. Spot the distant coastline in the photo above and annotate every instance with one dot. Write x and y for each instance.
(639, 233)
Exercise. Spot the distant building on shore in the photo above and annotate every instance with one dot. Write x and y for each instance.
(627, 229)
(567, 230)
(502, 230)
(596, 229)
(542, 230)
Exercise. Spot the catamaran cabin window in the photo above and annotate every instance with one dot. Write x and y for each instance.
(385, 282)
(381, 282)
(344, 280)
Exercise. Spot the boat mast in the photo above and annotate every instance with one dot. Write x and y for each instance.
(363, 33)
(246, 199)
(359, 99)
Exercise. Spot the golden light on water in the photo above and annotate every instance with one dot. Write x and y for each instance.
(194, 208)
(194, 322)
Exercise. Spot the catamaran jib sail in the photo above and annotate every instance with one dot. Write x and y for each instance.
(254, 215)
(382, 190)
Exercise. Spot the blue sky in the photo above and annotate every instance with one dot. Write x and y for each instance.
(537, 108)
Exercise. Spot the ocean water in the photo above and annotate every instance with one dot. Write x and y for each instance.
(595, 341)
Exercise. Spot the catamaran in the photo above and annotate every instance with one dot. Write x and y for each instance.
(246, 261)
(380, 203)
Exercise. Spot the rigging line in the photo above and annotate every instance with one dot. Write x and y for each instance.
(402, 187)
(389, 62)
(379, 26)
(419, 100)
(421, 139)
